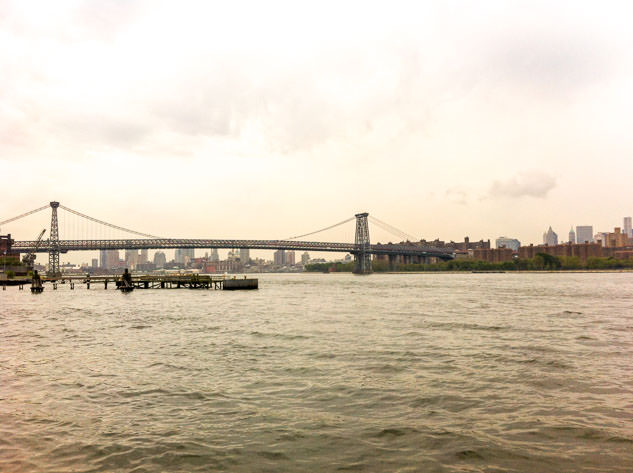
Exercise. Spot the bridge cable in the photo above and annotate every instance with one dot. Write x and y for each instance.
(322, 230)
(109, 224)
(399, 235)
(391, 229)
(25, 214)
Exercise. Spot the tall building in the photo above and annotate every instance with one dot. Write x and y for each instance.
(279, 257)
(628, 231)
(143, 257)
(108, 259)
(601, 237)
(290, 257)
(184, 255)
(584, 234)
(215, 257)
(505, 242)
(245, 255)
(159, 259)
(131, 258)
(95, 263)
(572, 235)
(305, 257)
(550, 237)
(617, 239)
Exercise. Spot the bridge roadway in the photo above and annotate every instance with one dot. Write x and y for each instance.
(143, 244)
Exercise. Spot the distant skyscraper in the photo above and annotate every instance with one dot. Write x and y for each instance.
(143, 257)
(131, 258)
(245, 255)
(290, 257)
(627, 227)
(215, 257)
(280, 257)
(572, 235)
(305, 257)
(108, 259)
(601, 237)
(584, 234)
(160, 259)
(184, 255)
(505, 242)
(550, 237)
(95, 263)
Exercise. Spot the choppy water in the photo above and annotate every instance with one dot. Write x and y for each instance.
(432, 372)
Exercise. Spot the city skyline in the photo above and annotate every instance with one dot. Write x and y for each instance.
(445, 120)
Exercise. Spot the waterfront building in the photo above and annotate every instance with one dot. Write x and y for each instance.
(95, 263)
(572, 235)
(628, 231)
(616, 239)
(550, 237)
(580, 250)
(493, 255)
(584, 234)
(505, 242)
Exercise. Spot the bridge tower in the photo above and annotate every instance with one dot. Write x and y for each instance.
(53, 254)
(362, 257)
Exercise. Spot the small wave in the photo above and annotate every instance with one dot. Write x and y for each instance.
(271, 455)
(282, 336)
(396, 432)
(469, 455)
(140, 327)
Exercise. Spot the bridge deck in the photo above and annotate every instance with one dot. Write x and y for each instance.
(142, 244)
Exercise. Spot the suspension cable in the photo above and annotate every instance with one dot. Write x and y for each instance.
(391, 229)
(108, 224)
(25, 214)
(322, 230)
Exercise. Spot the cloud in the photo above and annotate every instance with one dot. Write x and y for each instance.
(456, 195)
(523, 184)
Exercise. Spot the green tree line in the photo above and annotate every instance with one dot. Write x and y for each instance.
(541, 262)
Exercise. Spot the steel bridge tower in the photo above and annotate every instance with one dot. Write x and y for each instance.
(53, 254)
(362, 257)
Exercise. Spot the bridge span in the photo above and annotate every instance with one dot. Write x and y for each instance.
(64, 246)
(362, 249)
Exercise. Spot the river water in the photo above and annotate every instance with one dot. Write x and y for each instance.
(322, 372)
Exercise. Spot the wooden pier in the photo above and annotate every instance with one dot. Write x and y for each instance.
(146, 281)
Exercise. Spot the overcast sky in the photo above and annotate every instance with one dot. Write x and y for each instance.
(269, 119)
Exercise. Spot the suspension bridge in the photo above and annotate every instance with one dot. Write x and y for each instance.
(362, 249)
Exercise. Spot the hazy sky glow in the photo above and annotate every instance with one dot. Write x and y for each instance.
(270, 119)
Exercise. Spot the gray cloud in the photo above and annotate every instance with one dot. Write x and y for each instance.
(524, 184)
(550, 63)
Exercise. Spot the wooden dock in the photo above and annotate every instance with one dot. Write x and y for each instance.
(146, 281)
